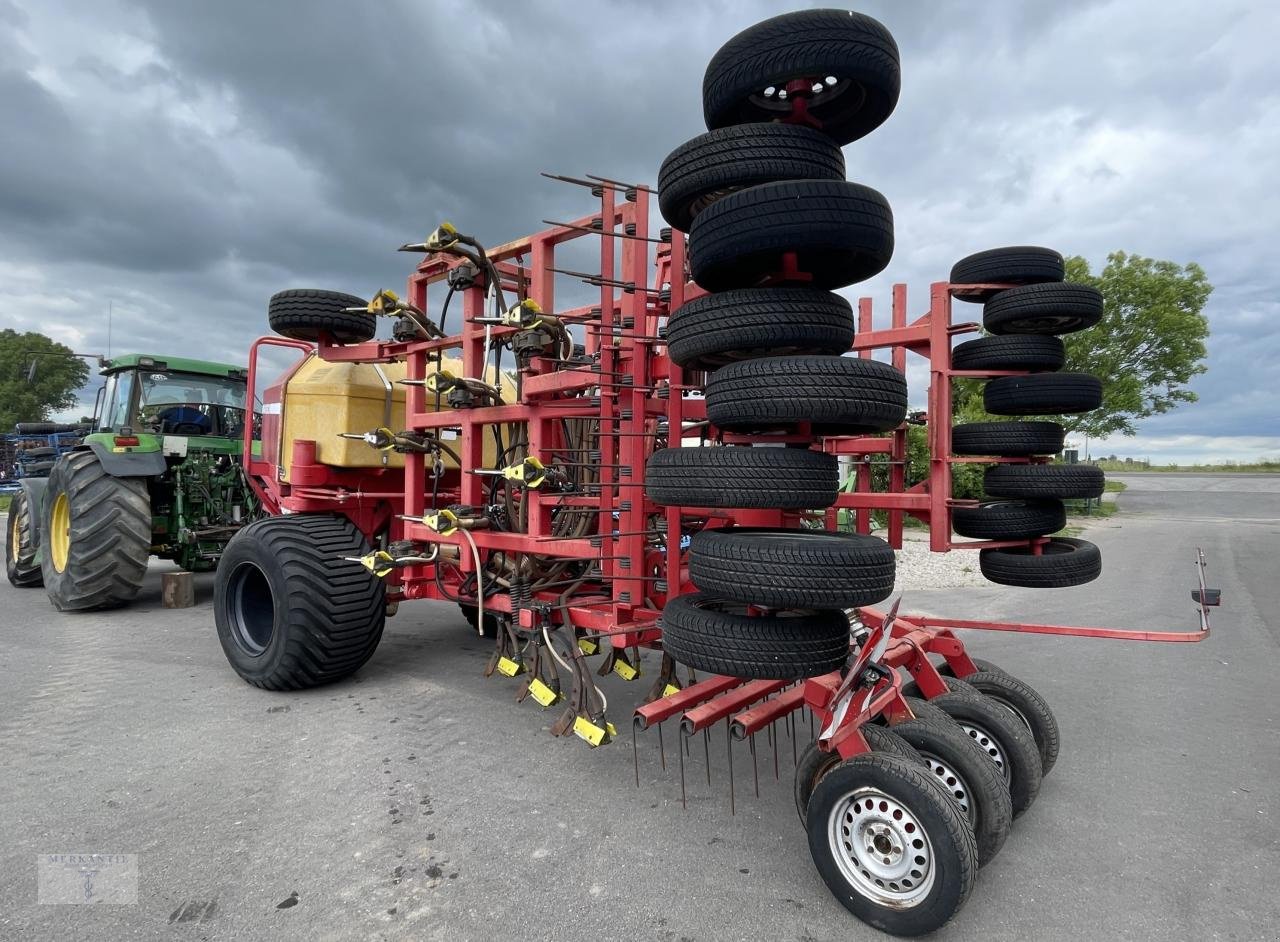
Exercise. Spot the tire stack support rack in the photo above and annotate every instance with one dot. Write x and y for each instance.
(899, 812)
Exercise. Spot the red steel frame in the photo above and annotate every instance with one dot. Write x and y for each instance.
(636, 384)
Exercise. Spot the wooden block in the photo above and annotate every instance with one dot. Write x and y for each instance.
(179, 589)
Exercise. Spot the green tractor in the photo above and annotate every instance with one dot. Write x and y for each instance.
(159, 475)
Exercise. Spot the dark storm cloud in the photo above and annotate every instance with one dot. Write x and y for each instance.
(187, 159)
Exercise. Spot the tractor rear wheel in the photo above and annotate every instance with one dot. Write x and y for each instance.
(20, 545)
(95, 533)
(291, 611)
(889, 845)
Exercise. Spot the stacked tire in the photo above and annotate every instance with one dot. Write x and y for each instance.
(1024, 319)
(773, 228)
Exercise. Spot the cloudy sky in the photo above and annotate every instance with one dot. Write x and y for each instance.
(184, 160)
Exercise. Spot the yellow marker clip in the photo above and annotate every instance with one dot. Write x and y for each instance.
(444, 522)
(378, 304)
(531, 472)
(379, 562)
(543, 694)
(670, 689)
(444, 237)
(589, 732)
(587, 646)
(509, 668)
(387, 436)
(440, 381)
(625, 670)
(525, 314)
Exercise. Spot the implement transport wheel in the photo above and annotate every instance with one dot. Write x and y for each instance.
(782, 568)
(840, 233)
(838, 395)
(700, 171)
(1014, 265)
(813, 763)
(969, 776)
(21, 545)
(740, 476)
(1063, 562)
(1064, 481)
(491, 623)
(1036, 354)
(312, 314)
(1042, 394)
(890, 845)
(850, 59)
(291, 611)
(746, 323)
(1043, 309)
(95, 535)
(1002, 736)
(714, 635)
(1007, 439)
(1009, 519)
(1022, 700)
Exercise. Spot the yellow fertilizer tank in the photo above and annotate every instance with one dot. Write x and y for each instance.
(323, 399)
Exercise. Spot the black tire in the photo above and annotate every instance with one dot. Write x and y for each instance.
(1013, 265)
(746, 323)
(838, 395)
(840, 232)
(491, 623)
(945, 669)
(109, 535)
(1042, 394)
(853, 48)
(1061, 481)
(813, 763)
(1064, 562)
(1007, 439)
(1022, 700)
(713, 635)
(28, 453)
(1005, 740)
(37, 468)
(775, 478)
(1043, 309)
(791, 568)
(313, 314)
(1009, 519)
(22, 544)
(44, 428)
(291, 612)
(968, 775)
(880, 791)
(701, 171)
(1037, 354)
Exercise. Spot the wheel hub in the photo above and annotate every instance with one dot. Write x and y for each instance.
(990, 746)
(881, 848)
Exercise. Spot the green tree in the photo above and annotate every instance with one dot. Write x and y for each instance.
(1149, 344)
(28, 397)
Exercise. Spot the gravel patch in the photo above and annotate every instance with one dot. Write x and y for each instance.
(919, 568)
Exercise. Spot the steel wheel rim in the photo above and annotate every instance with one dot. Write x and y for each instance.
(1000, 701)
(248, 594)
(991, 746)
(955, 784)
(60, 532)
(881, 848)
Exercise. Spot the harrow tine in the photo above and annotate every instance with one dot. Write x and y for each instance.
(728, 741)
(774, 737)
(755, 767)
(619, 183)
(662, 749)
(706, 748)
(635, 753)
(684, 802)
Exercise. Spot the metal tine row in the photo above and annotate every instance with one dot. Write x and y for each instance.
(726, 699)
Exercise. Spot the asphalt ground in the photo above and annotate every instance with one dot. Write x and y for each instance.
(417, 800)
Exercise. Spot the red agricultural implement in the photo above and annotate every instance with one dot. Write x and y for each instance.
(642, 473)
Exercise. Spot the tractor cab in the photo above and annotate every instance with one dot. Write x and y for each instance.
(145, 396)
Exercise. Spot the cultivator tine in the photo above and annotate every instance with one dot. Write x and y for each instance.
(684, 802)
(621, 185)
(774, 736)
(599, 230)
(635, 752)
(755, 767)
(706, 748)
(662, 750)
